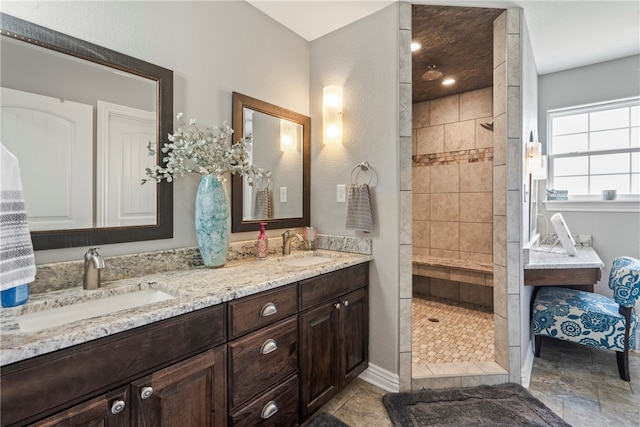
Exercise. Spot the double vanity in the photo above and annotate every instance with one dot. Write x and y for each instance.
(254, 343)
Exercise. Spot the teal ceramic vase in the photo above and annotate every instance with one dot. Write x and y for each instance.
(212, 221)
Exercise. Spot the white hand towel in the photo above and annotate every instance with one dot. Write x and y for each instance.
(359, 208)
(17, 264)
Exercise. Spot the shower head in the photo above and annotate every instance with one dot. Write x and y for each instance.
(431, 73)
(487, 126)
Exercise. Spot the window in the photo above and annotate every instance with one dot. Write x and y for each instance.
(594, 148)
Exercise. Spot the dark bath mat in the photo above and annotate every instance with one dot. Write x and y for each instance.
(503, 405)
(326, 420)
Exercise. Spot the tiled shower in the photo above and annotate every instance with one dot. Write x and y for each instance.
(453, 220)
(452, 177)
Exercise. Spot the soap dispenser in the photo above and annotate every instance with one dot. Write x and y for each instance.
(262, 244)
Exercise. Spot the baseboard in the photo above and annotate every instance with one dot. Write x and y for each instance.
(527, 366)
(381, 378)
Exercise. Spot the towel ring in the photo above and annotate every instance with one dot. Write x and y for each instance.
(364, 167)
(268, 186)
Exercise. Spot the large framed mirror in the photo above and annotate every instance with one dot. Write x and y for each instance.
(81, 118)
(280, 142)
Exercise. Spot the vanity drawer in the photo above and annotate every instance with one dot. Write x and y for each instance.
(251, 313)
(331, 285)
(260, 360)
(284, 398)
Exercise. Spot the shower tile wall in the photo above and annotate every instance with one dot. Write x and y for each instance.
(452, 177)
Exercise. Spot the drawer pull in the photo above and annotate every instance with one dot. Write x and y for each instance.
(117, 406)
(146, 392)
(269, 409)
(268, 346)
(268, 309)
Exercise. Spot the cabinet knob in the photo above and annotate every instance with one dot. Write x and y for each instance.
(117, 406)
(268, 309)
(337, 306)
(146, 392)
(269, 409)
(268, 346)
(346, 303)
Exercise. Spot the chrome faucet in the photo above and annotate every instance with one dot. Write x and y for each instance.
(287, 237)
(93, 263)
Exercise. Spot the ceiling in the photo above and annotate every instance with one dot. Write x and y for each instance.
(458, 41)
(564, 33)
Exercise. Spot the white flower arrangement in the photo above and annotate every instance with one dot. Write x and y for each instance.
(206, 152)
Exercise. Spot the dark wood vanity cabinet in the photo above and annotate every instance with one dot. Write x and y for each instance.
(81, 384)
(269, 359)
(183, 394)
(333, 334)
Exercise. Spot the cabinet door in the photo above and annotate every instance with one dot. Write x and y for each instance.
(354, 335)
(319, 376)
(185, 394)
(108, 410)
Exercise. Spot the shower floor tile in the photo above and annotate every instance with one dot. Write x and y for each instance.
(446, 331)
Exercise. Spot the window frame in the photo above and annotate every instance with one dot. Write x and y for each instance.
(591, 202)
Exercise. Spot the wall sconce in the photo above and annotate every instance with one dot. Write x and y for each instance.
(536, 163)
(332, 114)
(288, 135)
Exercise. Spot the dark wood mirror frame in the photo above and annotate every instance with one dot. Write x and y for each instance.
(28, 32)
(239, 224)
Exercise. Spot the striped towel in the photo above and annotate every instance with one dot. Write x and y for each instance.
(359, 208)
(263, 204)
(17, 264)
(269, 204)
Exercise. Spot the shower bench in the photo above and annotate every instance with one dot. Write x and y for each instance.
(455, 270)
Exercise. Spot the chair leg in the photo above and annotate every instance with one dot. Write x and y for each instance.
(623, 364)
(538, 344)
(622, 357)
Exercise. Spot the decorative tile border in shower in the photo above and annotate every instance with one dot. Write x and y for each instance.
(454, 157)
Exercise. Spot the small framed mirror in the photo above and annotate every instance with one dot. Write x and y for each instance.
(279, 142)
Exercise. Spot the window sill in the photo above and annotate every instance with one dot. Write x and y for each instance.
(632, 206)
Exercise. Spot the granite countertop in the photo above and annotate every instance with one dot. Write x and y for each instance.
(554, 257)
(192, 289)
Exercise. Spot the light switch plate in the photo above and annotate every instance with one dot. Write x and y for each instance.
(283, 194)
(341, 193)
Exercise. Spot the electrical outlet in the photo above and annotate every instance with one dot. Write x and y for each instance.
(283, 194)
(341, 193)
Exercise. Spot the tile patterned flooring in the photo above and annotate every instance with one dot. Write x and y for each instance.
(450, 332)
(580, 384)
(451, 337)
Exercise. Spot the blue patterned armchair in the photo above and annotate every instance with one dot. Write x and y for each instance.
(592, 319)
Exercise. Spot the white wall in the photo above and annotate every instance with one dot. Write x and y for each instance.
(363, 57)
(614, 233)
(213, 48)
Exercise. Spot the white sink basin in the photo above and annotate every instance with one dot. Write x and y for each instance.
(306, 261)
(39, 320)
